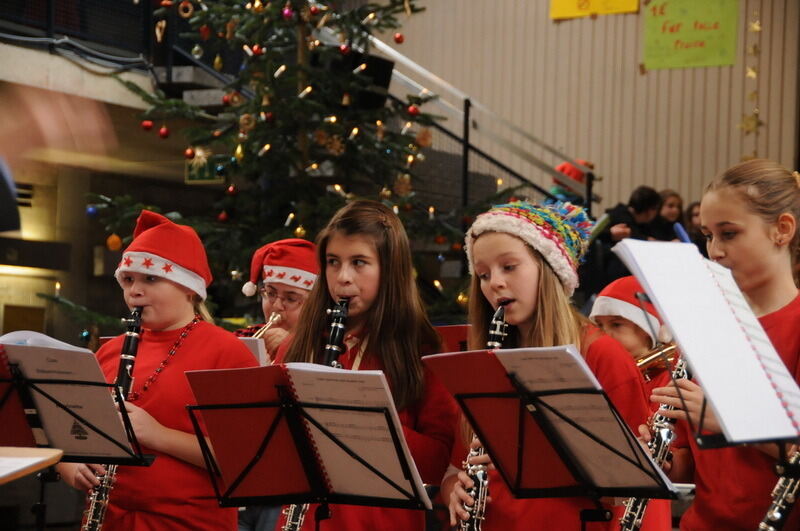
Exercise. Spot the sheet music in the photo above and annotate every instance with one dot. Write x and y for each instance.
(366, 433)
(563, 369)
(60, 361)
(258, 348)
(717, 332)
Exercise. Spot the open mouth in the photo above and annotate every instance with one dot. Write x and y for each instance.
(505, 301)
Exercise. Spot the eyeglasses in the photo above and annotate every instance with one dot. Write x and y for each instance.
(290, 301)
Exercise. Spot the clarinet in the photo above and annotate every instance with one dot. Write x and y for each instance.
(663, 432)
(95, 512)
(479, 474)
(295, 514)
(783, 497)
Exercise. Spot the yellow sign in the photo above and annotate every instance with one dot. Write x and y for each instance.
(584, 8)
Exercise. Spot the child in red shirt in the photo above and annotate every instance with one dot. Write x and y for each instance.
(525, 257)
(165, 272)
(749, 217)
(366, 258)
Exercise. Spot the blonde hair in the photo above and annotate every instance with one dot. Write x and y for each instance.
(201, 309)
(768, 189)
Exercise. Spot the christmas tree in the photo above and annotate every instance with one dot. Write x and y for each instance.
(305, 123)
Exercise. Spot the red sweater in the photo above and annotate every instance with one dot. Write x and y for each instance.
(427, 427)
(734, 484)
(170, 494)
(622, 382)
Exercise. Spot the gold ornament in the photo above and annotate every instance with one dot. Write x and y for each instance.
(186, 9)
(114, 243)
(750, 123)
(751, 72)
(299, 232)
(754, 49)
(462, 299)
(385, 193)
(265, 101)
(402, 186)
(239, 152)
(247, 122)
(755, 26)
(161, 28)
(335, 145)
(218, 63)
(424, 137)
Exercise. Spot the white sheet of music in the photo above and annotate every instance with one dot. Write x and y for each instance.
(717, 332)
(563, 369)
(42, 357)
(365, 433)
(258, 348)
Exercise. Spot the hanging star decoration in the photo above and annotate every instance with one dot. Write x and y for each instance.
(751, 72)
(750, 123)
(201, 155)
(754, 49)
(755, 26)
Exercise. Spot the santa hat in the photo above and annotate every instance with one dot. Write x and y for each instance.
(291, 261)
(558, 231)
(619, 299)
(165, 249)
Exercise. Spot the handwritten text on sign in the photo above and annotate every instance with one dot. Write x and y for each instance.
(685, 33)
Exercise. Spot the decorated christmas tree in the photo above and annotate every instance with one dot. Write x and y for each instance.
(304, 123)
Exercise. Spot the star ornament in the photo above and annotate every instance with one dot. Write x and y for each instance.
(751, 72)
(755, 26)
(201, 155)
(750, 123)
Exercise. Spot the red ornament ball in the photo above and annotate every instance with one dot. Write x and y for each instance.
(188, 153)
(147, 124)
(205, 32)
(226, 99)
(314, 10)
(288, 13)
(222, 216)
(269, 116)
(257, 49)
(413, 110)
(344, 49)
(399, 38)
(163, 132)
(232, 190)
(440, 239)
(457, 246)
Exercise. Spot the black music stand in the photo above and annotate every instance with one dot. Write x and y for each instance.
(292, 414)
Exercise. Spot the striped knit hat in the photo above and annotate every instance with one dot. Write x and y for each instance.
(558, 231)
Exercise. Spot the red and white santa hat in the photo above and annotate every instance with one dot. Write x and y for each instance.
(292, 261)
(619, 299)
(165, 249)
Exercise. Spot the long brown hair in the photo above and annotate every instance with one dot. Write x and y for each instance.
(556, 322)
(768, 189)
(397, 326)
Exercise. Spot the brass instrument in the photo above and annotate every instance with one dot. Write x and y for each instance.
(783, 497)
(661, 357)
(295, 514)
(274, 318)
(663, 432)
(479, 474)
(95, 512)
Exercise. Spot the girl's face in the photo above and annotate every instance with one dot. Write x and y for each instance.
(165, 304)
(353, 271)
(740, 240)
(671, 209)
(634, 339)
(695, 218)
(285, 300)
(508, 273)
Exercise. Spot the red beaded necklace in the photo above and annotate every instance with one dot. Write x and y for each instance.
(135, 395)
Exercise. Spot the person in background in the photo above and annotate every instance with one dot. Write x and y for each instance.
(691, 220)
(671, 212)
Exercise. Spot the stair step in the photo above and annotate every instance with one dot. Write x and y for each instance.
(204, 97)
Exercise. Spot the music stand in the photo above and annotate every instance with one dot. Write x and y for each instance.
(543, 443)
(266, 444)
